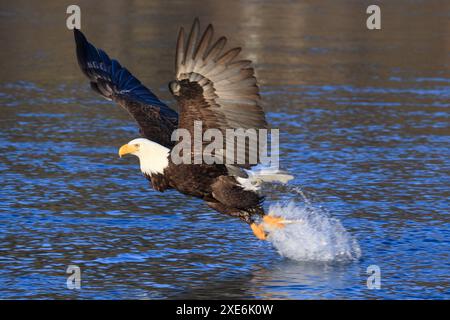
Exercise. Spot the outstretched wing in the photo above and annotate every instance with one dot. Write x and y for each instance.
(215, 87)
(114, 82)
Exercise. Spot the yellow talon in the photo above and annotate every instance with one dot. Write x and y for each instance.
(276, 222)
(258, 230)
(271, 221)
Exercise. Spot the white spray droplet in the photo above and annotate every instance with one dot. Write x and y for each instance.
(318, 237)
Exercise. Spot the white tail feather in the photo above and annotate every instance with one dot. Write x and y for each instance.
(264, 175)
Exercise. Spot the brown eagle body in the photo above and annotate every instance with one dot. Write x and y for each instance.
(210, 86)
(212, 184)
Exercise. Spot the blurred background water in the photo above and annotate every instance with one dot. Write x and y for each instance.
(364, 125)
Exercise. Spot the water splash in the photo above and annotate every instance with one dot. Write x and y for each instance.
(314, 236)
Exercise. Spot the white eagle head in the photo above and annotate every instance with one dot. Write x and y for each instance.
(153, 157)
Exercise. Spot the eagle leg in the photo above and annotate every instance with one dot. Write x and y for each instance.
(268, 221)
(241, 214)
(275, 222)
(258, 230)
(271, 222)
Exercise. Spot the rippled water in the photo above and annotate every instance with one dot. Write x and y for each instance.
(364, 128)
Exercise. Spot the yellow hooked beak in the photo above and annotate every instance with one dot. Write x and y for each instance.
(126, 149)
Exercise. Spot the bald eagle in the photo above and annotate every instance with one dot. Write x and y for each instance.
(211, 85)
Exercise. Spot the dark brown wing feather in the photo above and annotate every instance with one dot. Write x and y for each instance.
(114, 82)
(215, 88)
